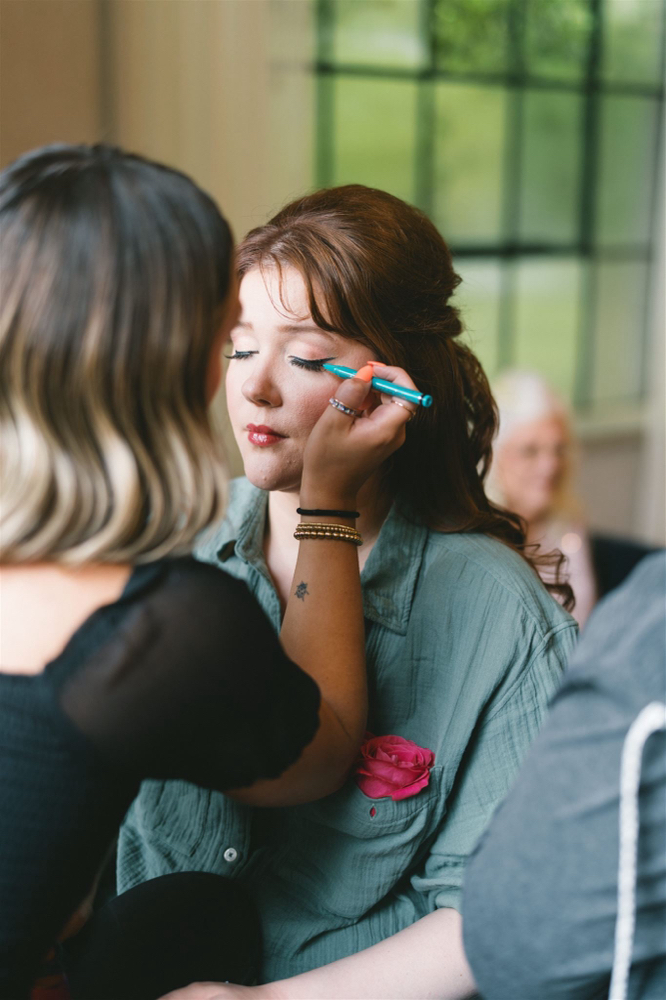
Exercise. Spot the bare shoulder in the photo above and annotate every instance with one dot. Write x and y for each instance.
(43, 604)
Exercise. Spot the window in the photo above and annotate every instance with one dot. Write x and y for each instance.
(530, 132)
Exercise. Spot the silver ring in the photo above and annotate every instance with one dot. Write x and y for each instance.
(348, 410)
(398, 402)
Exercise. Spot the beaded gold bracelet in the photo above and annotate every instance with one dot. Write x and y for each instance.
(321, 529)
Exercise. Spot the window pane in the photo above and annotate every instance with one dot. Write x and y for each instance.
(632, 40)
(469, 141)
(619, 331)
(478, 299)
(378, 32)
(628, 155)
(551, 166)
(557, 34)
(471, 37)
(375, 134)
(547, 319)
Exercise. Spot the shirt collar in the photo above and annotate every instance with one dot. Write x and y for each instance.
(387, 594)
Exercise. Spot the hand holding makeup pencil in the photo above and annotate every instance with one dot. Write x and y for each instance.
(351, 440)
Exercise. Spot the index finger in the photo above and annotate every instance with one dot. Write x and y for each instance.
(391, 373)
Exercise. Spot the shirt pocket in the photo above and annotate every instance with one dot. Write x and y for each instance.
(353, 850)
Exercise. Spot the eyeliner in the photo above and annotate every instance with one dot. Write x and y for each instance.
(412, 395)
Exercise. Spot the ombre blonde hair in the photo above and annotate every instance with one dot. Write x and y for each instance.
(115, 272)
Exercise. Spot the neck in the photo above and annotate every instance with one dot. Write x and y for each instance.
(537, 526)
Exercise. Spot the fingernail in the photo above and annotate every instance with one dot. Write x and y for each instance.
(365, 374)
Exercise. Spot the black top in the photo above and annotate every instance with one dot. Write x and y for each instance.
(181, 677)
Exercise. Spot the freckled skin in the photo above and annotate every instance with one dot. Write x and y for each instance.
(266, 388)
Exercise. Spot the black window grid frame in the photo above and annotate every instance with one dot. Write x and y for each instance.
(510, 249)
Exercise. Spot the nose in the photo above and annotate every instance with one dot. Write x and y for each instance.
(260, 388)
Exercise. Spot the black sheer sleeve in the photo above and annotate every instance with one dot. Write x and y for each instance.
(193, 684)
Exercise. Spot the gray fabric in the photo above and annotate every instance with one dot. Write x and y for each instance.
(540, 892)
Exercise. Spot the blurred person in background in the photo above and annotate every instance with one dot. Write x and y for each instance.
(531, 474)
(122, 657)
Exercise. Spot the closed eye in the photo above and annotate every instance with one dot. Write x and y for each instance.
(311, 366)
(239, 355)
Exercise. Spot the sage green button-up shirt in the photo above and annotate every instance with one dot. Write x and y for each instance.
(464, 650)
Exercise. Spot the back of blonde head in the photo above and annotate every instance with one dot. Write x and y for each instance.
(115, 273)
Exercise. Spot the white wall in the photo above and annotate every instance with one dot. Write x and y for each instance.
(49, 74)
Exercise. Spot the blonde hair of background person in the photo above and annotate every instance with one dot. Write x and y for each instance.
(532, 474)
(119, 290)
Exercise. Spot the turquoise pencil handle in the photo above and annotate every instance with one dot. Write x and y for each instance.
(391, 389)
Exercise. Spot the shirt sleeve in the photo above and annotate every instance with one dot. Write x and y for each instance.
(488, 768)
(194, 684)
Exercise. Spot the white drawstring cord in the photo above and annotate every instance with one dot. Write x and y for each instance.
(650, 720)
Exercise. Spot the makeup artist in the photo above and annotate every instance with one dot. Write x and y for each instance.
(122, 657)
(359, 893)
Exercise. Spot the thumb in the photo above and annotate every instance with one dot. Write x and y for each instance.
(352, 392)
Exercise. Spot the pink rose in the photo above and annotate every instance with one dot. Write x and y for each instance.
(391, 766)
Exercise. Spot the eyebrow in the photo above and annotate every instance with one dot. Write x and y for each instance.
(290, 328)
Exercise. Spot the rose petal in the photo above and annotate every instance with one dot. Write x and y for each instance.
(396, 775)
(374, 788)
(409, 790)
(379, 768)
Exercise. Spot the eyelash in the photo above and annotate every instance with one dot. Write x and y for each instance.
(310, 366)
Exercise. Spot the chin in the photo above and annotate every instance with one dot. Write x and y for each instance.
(264, 477)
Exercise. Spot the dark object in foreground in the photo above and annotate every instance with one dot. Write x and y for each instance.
(614, 559)
(165, 934)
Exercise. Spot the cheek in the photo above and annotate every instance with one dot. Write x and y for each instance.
(232, 386)
(517, 473)
(307, 407)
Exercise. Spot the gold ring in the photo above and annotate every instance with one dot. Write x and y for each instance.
(398, 402)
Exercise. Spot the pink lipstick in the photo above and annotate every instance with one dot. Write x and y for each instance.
(263, 436)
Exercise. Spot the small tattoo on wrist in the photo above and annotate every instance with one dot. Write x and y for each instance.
(302, 591)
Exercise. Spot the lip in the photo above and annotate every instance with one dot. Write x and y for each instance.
(263, 436)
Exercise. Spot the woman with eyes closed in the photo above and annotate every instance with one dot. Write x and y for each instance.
(359, 893)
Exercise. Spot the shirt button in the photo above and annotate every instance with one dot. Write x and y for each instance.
(230, 854)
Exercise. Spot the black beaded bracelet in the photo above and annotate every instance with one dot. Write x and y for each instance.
(327, 513)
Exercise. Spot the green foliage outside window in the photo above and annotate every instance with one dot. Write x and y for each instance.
(529, 131)
(472, 36)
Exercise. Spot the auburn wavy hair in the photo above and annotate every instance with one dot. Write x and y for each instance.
(378, 271)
